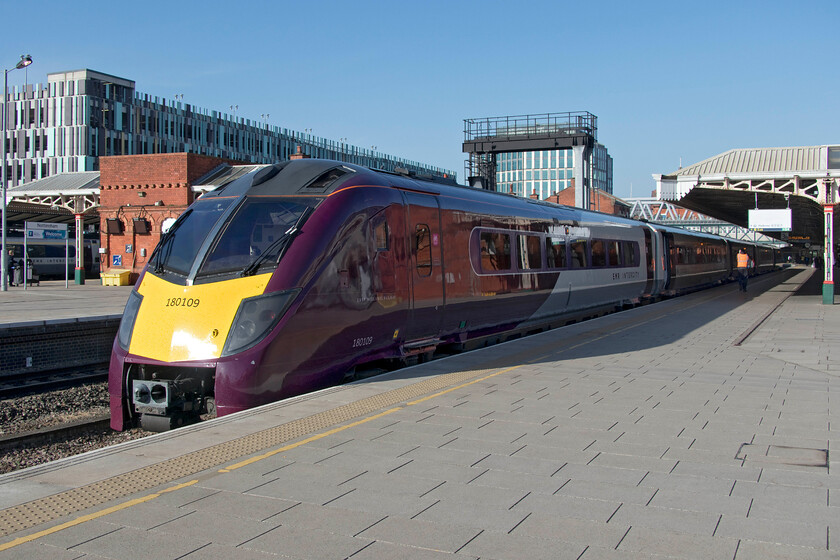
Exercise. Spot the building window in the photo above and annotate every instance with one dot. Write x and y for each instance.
(834, 157)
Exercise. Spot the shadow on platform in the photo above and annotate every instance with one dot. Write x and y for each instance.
(644, 328)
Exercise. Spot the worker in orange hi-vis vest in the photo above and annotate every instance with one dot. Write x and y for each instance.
(744, 263)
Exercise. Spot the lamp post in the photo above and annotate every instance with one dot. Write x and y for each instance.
(25, 60)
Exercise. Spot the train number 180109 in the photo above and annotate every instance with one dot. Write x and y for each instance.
(182, 302)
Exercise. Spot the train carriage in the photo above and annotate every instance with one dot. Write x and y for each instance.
(51, 259)
(287, 279)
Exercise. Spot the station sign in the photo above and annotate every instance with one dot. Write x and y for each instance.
(45, 230)
(770, 220)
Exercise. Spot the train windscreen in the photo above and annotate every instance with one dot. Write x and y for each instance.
(179, 247)
(256, 235)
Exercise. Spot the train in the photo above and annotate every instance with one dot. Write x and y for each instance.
(300, 275)
(49, 259)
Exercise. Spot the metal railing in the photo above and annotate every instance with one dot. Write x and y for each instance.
(532, 126)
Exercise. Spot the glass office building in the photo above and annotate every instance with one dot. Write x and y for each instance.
(81, 115)
(547, 172)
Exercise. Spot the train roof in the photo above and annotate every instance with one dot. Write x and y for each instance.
(319, 177)
(322, 177)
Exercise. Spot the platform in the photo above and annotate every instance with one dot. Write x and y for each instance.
(51, 301)
(699, 427)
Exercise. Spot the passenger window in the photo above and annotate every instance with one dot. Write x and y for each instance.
(423, 249)
(578, 254)
(43, 251)
(628, 250)
(530, 255)
(555, 252)
(495, 251)
(599, 253)
(612, 249)
(380, 235)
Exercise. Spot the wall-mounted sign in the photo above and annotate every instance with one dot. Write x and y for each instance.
(770, 220)
(116, 260)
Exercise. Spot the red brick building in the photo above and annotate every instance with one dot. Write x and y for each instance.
(598, 200)
(137, 194)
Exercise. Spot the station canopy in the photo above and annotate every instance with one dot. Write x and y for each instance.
(729, 185)
(57, 198)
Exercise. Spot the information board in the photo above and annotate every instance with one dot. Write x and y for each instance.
(770, 220)
(45, 230)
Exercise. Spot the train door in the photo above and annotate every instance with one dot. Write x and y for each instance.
(426, 264)
(650, 262)
(669, 252)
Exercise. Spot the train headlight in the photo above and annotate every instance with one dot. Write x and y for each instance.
(132, 306)
(255, 318)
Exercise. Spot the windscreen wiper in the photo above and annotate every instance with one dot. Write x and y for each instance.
(280, 244)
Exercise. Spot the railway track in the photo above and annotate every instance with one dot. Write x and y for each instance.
(27, 383)
(61, 432)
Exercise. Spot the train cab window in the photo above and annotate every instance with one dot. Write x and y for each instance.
(599, 253)
(630, 253)
(578, 254)
(495, 251)
(256, 234)
(612, 252)
(423, 249)
(530, 254)
(555, 252)
(178, 249)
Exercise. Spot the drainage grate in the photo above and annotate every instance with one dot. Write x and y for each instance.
(783, 455)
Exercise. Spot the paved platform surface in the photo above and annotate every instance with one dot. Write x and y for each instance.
(700, 427)
(52, 301)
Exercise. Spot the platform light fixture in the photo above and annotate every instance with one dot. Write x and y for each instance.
(25, 60)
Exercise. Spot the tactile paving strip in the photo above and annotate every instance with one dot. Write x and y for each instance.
(44, 510)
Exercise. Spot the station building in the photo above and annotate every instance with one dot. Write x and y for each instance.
(88, 145)
(549, 172)
(82, 115)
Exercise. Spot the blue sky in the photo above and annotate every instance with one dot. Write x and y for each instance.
(668, 81)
